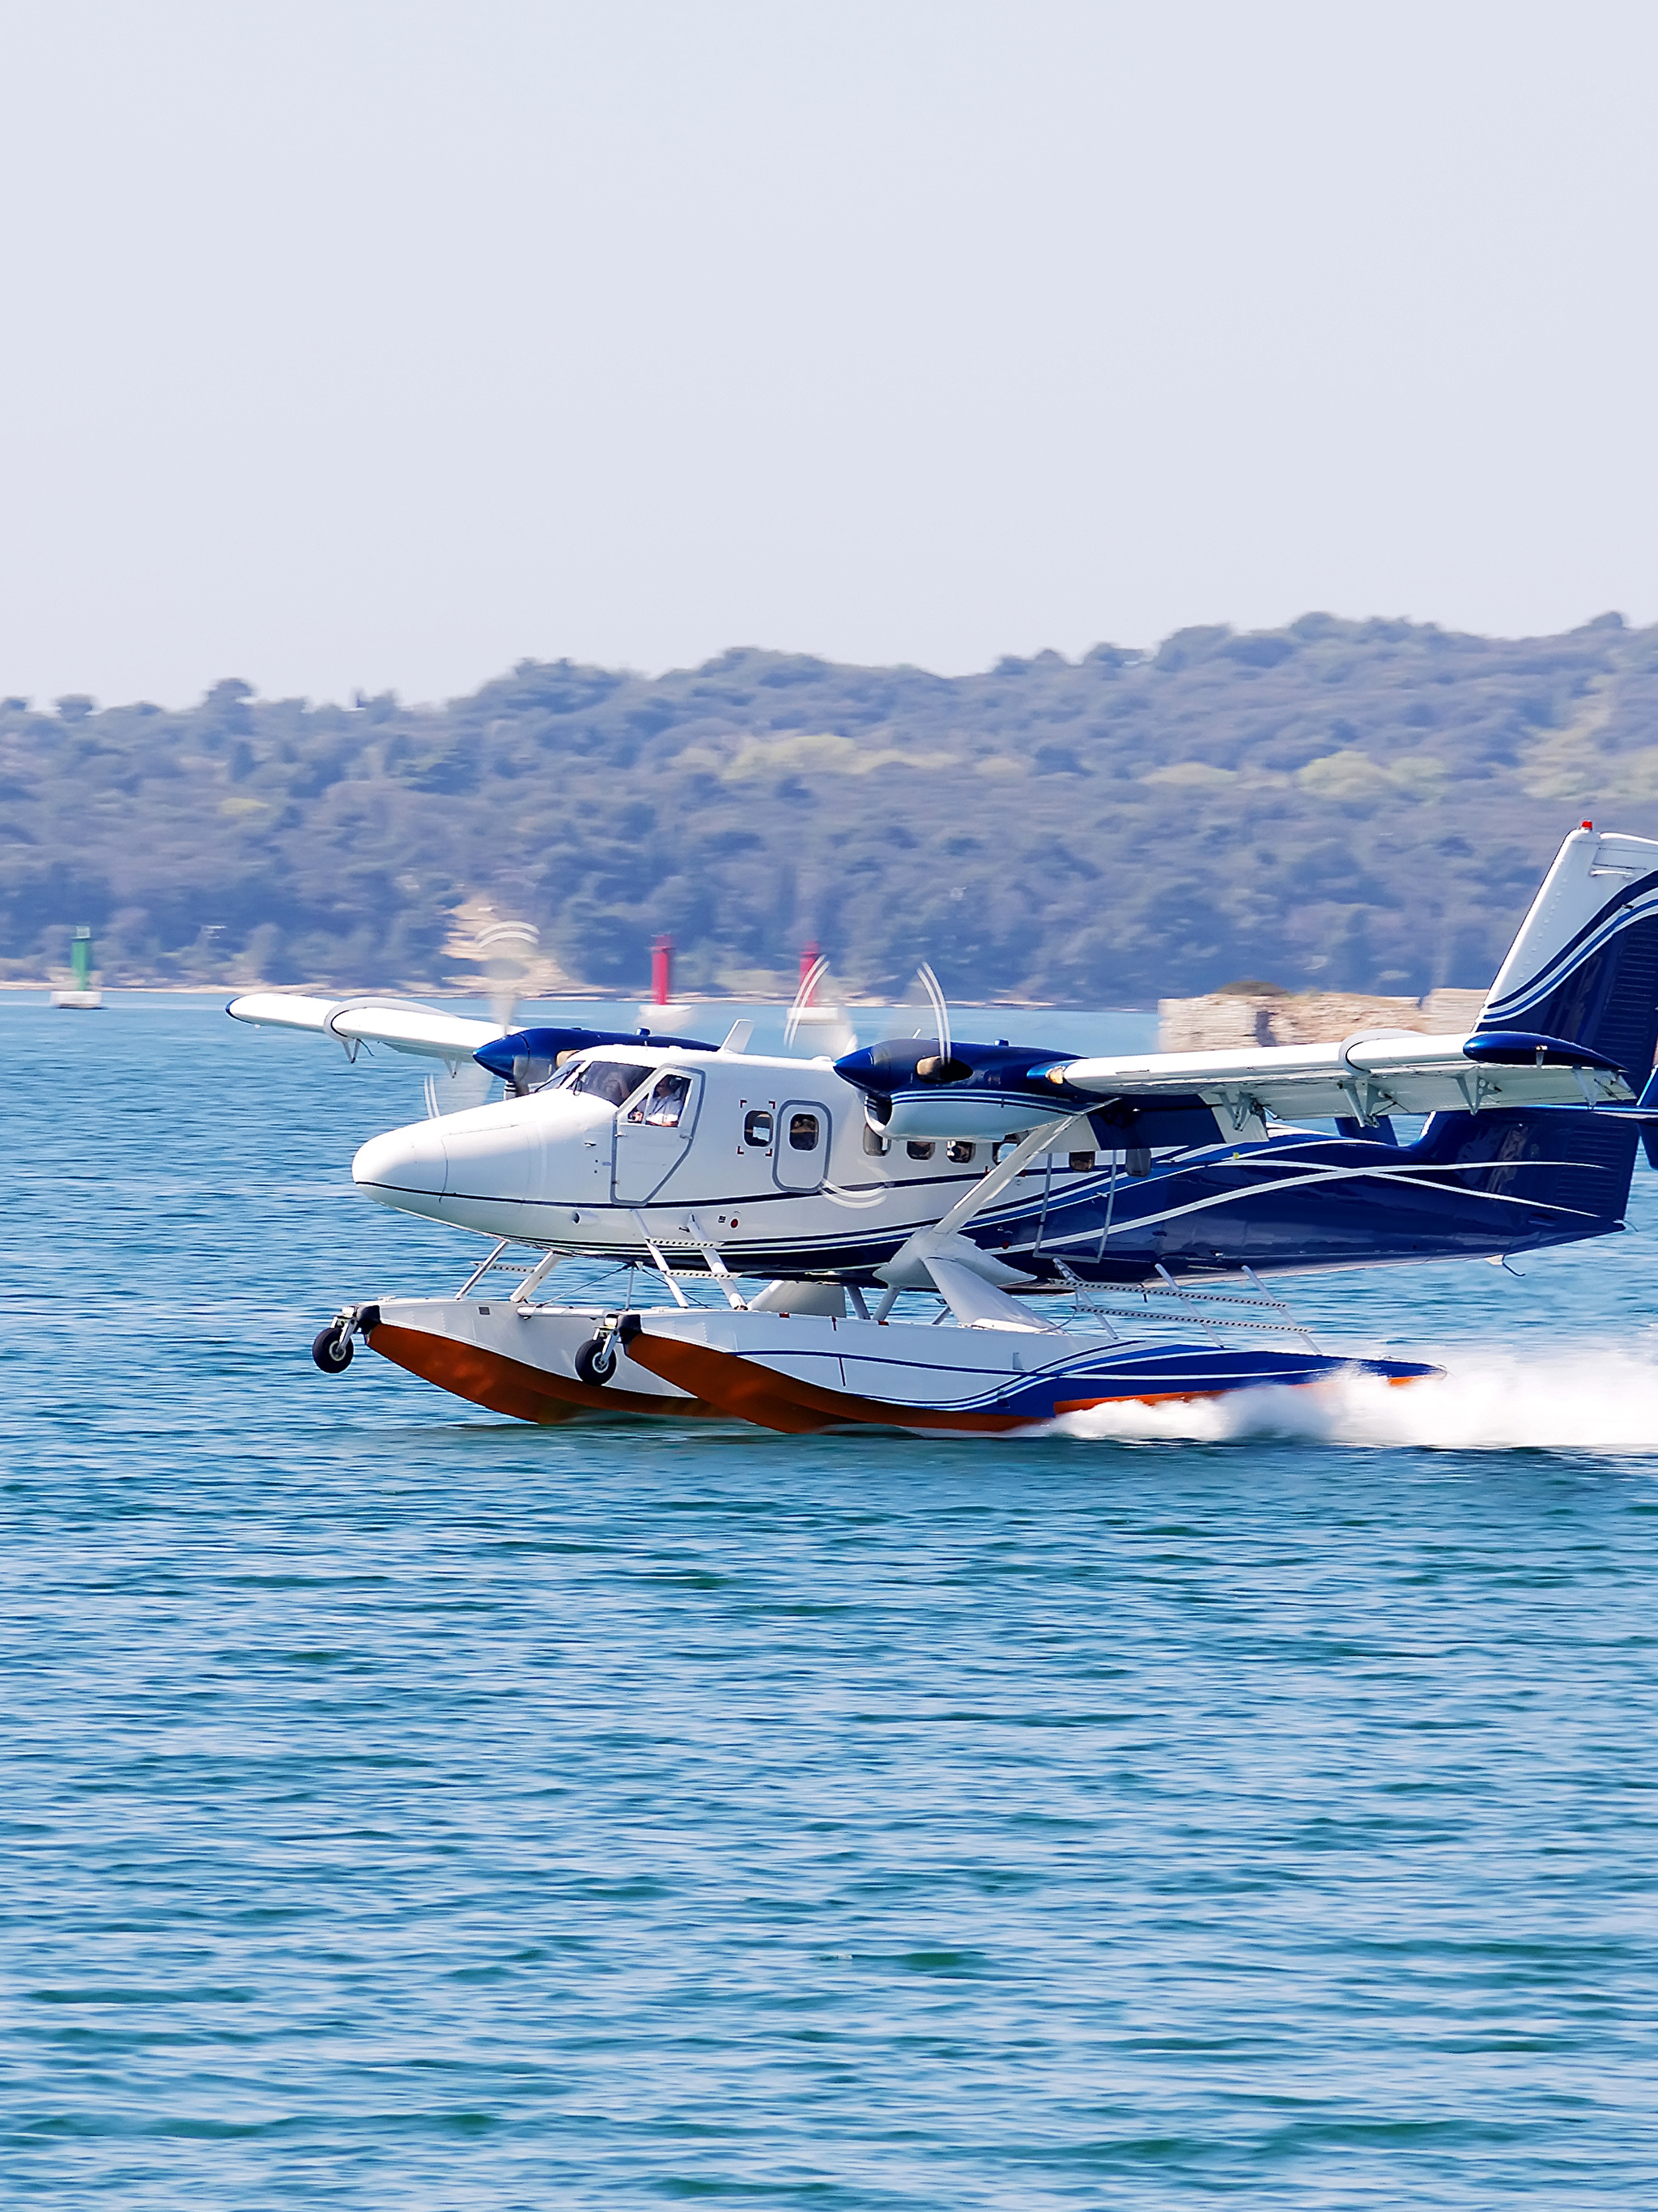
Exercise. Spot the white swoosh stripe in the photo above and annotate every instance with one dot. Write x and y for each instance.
(1337, 1175)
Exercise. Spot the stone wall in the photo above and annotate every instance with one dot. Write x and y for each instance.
(1241, 1017)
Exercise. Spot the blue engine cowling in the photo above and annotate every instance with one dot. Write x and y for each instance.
(525, 1058)
(987, 1092)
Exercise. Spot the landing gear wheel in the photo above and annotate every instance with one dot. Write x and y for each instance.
(332, 1349)
(595, 1361)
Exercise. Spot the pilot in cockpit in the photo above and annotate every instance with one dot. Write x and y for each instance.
(665, 1105)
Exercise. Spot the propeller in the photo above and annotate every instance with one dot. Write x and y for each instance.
(941, 1066)
(812, 972)
(506, 952)
(826, 1027)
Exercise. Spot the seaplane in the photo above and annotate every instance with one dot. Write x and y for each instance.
(1092, 1229)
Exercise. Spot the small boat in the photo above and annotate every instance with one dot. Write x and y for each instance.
(802, 1362)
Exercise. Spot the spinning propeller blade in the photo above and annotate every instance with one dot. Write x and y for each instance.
(507, 948)
(811, 977)
(942, 1066)
(825, 1028)
(506, 951)
(929, 984)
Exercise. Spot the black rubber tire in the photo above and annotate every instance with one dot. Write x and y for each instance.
(332, 1349)
(595, 1361)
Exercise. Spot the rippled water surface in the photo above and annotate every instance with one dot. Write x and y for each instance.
(407, 1808)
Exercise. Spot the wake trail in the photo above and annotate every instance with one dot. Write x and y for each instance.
(1591, 1397)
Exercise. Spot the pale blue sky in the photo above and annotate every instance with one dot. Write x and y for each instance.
(382, 343)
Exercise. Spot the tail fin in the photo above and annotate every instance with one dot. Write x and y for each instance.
(1585, 964)
(1530, 1176)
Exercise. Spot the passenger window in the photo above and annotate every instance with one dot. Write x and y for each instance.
(665, 1105)
(875, 1144)
(615, 1081)
(802, 1132)
(919, 1148)
(960, 1151)
(1082, 1163)
(756, 1129)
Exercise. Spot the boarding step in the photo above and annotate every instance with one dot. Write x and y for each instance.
(658, 1247)
(535, 1272)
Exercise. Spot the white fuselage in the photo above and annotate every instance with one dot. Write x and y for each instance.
(751, 1155)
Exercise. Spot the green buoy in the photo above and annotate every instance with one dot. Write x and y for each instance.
(82, 993)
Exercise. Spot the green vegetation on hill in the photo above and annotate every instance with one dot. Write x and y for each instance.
(1339, 804)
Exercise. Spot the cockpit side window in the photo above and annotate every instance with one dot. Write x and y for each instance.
(615, 1081)
(661, 1107)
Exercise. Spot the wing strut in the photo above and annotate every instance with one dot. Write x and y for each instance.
(990, 1186)
(942, 1237)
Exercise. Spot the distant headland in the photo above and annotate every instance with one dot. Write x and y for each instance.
(1342, 805)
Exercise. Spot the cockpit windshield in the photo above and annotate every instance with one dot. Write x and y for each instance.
(615, 1081)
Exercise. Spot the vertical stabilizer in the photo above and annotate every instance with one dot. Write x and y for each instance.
(1585, 964)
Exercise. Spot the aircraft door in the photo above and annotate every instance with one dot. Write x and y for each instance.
(800, 1160)
(653, 1134)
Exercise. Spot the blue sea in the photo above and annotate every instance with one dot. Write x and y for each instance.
(406, 1808)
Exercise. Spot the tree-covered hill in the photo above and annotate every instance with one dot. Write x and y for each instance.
(1354, 806)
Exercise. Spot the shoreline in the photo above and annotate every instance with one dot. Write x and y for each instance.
(563, 997)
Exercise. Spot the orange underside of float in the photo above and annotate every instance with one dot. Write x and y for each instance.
(756, 1393)
(508, 1386)
(720, 1383)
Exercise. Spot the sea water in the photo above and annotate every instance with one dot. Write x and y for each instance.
(403, 1808)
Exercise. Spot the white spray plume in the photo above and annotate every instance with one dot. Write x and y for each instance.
(1586, 1398)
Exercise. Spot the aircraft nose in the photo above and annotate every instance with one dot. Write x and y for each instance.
(403, 1164)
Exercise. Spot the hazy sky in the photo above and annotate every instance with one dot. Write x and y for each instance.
(383, 343)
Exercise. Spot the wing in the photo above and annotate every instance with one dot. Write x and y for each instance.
(1391, 1072)
(403, 1025)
